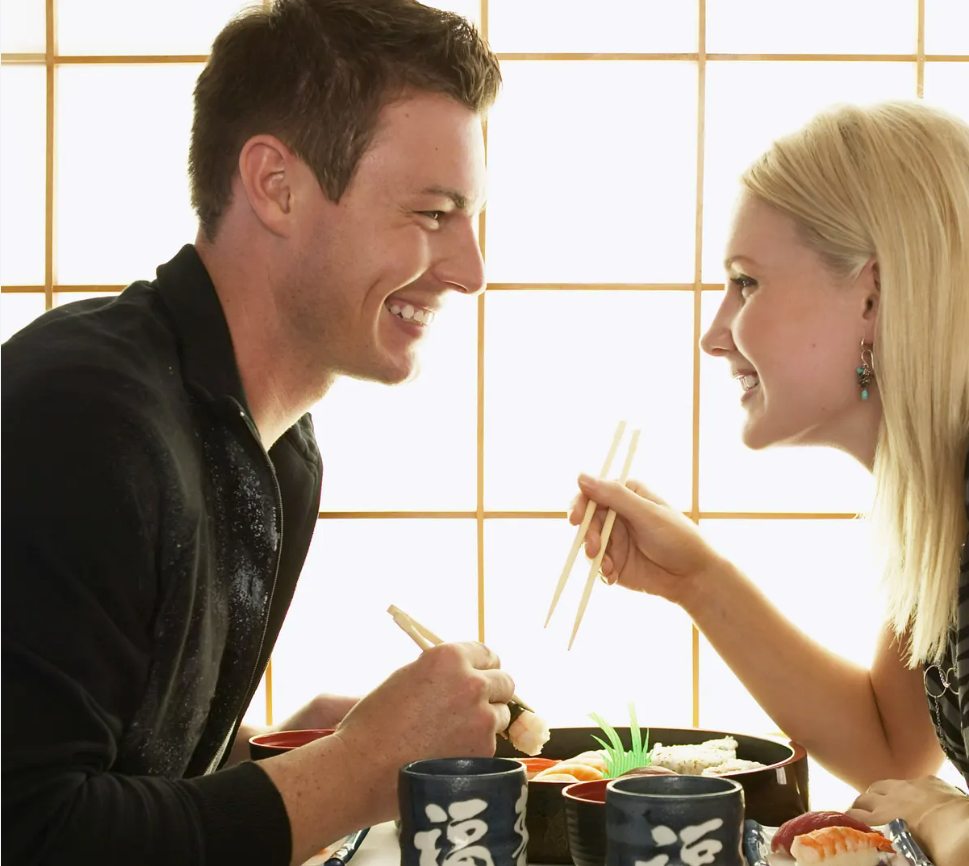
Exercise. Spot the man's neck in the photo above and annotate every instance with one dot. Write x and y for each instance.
(277, 394)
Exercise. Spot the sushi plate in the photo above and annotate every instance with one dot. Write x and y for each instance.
(757, 839)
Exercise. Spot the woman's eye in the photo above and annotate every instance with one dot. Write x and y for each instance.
(745, 284)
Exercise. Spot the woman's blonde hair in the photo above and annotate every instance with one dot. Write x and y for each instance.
(891, 182)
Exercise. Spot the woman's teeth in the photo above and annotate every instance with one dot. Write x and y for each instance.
(749, 382)
(410, 313)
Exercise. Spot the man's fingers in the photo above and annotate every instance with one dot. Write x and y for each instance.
(500, 687)
(478, 655)
(502, 717)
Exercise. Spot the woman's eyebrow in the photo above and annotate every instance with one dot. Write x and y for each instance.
(727, 262)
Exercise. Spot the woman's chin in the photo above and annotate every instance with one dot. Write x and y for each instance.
(756, 435)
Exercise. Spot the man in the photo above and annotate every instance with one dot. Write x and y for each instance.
(162, 480)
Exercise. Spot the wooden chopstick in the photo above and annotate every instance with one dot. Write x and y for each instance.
(590, 509)
(410, 627)
(425, 639)
(606, 532)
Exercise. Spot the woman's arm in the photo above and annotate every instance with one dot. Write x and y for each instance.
(862, 725)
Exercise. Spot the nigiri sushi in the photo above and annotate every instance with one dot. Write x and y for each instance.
(593, 759)
(840, 846)
(527, 731)
(812, 821)
(580, 772)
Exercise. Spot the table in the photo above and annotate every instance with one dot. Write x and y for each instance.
(380, 848)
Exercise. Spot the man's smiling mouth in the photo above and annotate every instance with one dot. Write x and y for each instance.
(410, 313)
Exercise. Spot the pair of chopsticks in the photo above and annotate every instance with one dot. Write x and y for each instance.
(607, 525)
(425, 639)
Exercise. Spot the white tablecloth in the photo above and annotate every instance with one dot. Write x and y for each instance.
(380, 848)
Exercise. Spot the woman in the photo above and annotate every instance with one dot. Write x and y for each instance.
(846, 322)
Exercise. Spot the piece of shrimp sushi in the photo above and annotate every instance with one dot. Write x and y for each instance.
(593, 759)
(527, 731)
(581, 772)
(840, 846)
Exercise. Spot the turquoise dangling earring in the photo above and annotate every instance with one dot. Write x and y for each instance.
(866, 372)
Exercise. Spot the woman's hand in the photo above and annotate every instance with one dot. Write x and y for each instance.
(936, 813)
(653, 548)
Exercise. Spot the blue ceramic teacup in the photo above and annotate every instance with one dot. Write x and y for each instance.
(463, 812)
(674, 821)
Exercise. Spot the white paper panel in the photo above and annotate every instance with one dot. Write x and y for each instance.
(23, 166)
(630, 647)
(17, 310)
(142, 26)
(593, 173)
(750, 104)
(411, 446)
(23, 26)
(609, 25)
(122, 193)
(338, 636)
(562, 369)
(819, 27)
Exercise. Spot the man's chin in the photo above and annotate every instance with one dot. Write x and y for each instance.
(395, 372)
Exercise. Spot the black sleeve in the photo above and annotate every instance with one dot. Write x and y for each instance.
(80, 584)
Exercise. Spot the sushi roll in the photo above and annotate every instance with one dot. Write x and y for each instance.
(840, 846)
(690, 760)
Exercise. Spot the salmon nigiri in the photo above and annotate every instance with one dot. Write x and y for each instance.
(840, 846)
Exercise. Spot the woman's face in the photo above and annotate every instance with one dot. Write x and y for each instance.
(792, 333)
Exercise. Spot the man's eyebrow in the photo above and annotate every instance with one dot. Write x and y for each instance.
(459, 199)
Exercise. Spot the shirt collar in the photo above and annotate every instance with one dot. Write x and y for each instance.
(208, 357)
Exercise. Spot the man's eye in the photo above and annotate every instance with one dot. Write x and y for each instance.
(436, 215)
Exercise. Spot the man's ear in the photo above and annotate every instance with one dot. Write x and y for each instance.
(267, 168)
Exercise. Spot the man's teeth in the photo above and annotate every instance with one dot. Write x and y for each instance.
(750, 381)
(411, 313)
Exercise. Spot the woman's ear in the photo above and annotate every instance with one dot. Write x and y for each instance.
(870, 279)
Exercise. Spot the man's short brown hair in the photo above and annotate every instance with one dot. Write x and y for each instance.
(315, 74)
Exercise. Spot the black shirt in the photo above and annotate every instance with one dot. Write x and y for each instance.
(147, 569)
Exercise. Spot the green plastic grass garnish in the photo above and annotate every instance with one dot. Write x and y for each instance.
(618, 759)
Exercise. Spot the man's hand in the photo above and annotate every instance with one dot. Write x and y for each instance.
(450, 702)
(936, 813)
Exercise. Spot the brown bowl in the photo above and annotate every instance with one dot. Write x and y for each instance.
(585, 818)
(773, 793)
(280, 742)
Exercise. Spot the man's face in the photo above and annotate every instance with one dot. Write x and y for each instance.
(371, 273)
